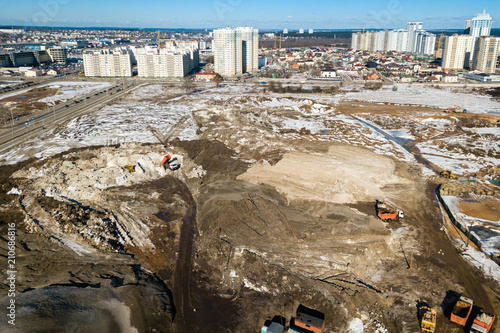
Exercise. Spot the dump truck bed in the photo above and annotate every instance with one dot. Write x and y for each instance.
(461, 311)
(482, 323)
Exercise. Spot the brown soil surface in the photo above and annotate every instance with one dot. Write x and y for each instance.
(26, 103)
(255, 223)
(488, 209)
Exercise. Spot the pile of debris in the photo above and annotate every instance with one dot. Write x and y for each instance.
(465, 188)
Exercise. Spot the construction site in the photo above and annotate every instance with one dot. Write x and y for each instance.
(238, 209)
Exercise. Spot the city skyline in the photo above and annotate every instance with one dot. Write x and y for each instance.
(292, 14)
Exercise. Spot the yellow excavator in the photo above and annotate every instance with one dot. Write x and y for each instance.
(448, 174)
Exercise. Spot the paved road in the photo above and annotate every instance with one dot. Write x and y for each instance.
(28, 127)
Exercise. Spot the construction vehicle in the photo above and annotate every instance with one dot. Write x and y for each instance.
(482, 323)
(130, 168)
(173, 163)
(455, 109)
(385, 213)
(448, 174)
(461, 311)
(172, 132)
(428, 323)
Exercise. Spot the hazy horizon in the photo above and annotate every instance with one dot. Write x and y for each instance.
(292, 14)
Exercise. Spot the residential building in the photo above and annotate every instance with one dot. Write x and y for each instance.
(108, 63)
(480, 25)
(173, 60)
(397, 40)
(425, 42)
(485, 57)
(235, 50)
(414, 40)
(455, 49)
(412, 28)
(357, 41)
(328, 73)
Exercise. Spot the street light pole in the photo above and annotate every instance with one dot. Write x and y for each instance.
(12, 124)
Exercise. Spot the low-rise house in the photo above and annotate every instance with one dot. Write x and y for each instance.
(327, 73)
(33, 73)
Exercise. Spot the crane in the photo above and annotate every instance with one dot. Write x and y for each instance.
(364, 36)
(440, 42)
(159, 39)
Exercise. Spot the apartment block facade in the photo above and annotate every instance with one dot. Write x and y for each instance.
(108, 63)
(174, 60)
(485, 57)
(456, 51)
(413, 39)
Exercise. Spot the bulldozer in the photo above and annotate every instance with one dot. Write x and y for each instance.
(448, 174)
(428, 322)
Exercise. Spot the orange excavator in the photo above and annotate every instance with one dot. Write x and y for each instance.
(455, 109)
(173, 163)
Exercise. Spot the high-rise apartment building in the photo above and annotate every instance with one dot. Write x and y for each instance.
(235, 50)
(425, 42)
(480, 25)
(396, 40)
(108, 63)
(455, 51)
(486, 54)
(412, 28)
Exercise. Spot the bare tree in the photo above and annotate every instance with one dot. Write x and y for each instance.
(217, 79)
(188, 84)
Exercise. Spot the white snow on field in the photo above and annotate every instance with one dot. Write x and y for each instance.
(356, 326)
(123, 122)
(70, 90)
(481, 261)
(454, 157)
(400, 133)
(437, 122)
(486, 130)
(484, 230)
(428, 96)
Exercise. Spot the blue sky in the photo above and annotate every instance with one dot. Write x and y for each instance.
(273, 14)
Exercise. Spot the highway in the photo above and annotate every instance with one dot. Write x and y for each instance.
(28, 127)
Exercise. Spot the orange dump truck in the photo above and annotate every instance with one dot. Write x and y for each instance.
(461, 311)
(482, 323)
(385, 213)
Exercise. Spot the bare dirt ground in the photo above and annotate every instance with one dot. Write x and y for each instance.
(488, 209)
(272, 208)
(26, 103)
